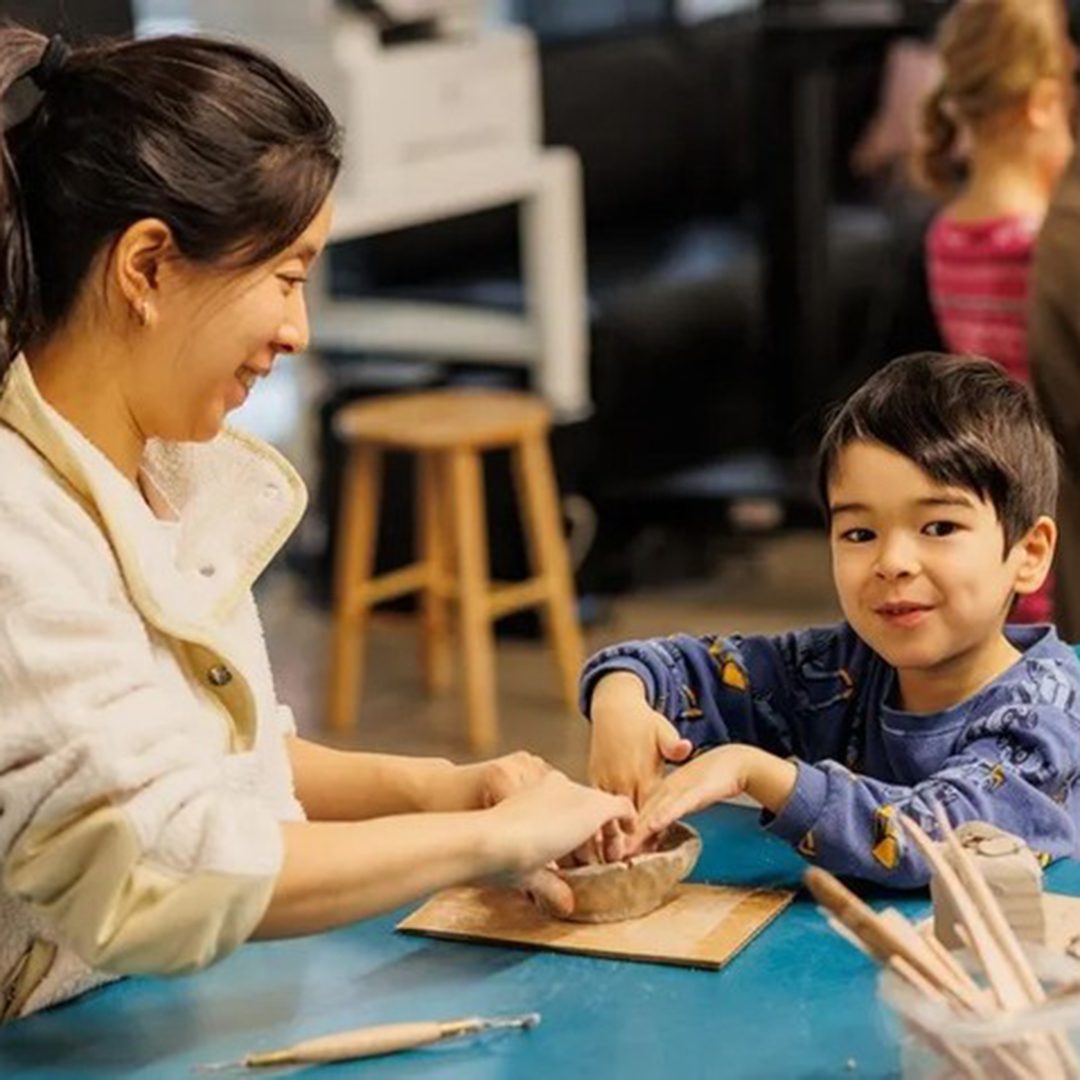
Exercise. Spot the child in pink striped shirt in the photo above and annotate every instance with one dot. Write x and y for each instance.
(996, 136)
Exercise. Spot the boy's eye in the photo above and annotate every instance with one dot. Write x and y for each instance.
(940, 528)
(857, 535)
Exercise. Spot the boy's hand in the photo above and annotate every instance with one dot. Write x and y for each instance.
(631, 743)
(719, 774)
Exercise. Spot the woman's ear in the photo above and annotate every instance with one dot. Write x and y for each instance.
(137, 261)
(1045, 100)
(1036, 553)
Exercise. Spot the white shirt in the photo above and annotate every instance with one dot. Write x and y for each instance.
(143, 766)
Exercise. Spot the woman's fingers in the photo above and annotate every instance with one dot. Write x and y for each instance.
(547, 890)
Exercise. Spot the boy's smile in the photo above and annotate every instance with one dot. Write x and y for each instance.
(923, 575)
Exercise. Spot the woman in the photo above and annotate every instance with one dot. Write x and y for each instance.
(160, 206)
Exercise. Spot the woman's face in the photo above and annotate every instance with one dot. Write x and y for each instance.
(217, 333)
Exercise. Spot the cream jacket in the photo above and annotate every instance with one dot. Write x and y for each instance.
(143, 766)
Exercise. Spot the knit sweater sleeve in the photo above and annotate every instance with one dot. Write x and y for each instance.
(768, 691)
(1016, 767)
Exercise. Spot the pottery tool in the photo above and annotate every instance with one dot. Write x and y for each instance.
(920, 960)
(374, 1041)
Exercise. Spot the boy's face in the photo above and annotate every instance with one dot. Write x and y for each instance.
(920, 569)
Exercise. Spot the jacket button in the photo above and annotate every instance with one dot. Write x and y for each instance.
(219, 675)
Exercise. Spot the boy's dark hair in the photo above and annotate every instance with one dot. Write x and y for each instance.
(232, 152)
(964, 422)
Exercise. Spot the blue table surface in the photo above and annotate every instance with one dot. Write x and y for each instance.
(796, 1002)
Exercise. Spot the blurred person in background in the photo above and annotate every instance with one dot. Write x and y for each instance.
(996, 137)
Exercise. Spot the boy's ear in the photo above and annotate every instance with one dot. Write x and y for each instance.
(1036, 551)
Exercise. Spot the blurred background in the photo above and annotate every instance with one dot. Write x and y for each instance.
(685, 226)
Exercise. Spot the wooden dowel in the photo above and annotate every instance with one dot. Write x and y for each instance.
(988, 906)
(879, 938)
(962, 990)
(958, 970)
(1008, 991)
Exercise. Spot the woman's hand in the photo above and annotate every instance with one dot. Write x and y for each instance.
(502, 777)
(485, 783)
(545, 822)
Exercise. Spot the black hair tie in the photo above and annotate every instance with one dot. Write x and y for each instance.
(52, 61)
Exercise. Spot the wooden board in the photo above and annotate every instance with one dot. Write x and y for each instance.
(701, 926)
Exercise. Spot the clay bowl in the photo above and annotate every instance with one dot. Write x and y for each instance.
(612, 892)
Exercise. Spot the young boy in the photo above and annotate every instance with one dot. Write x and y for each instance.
(938, 479)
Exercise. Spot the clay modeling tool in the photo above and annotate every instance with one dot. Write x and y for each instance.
(373, 1041)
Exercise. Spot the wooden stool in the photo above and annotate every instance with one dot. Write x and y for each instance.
(448, 431)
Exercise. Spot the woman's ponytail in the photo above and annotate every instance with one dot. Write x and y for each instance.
(935, 165)
(21, 53)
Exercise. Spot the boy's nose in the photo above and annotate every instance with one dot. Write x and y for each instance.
(896, 559)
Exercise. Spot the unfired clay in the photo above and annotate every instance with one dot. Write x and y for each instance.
(1013, 874)
(611, 892)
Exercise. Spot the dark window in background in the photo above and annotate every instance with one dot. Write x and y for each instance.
(554, 20)
(76, 19)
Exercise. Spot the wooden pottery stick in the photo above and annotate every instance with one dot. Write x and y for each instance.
(1008, 1063)
(990, 910)
(1003, 981)
(374, 1041)
(880, 938)
(965, 1062)
(999, 926)
(850, 937)
(883, 943)
(966, 995)
(961, 974)
(917, 979)
(963, 990)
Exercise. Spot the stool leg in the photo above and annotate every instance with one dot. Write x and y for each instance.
(538, 495)
(431, 531)
(477, 638)
(355, 557)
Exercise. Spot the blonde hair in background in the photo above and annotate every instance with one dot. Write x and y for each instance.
(993, 53)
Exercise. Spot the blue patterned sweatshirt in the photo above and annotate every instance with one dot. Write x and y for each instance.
(1009, 754)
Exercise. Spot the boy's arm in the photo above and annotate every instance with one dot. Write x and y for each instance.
(1016, 768)
(739, 689)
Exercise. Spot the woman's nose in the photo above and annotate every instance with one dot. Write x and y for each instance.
(292, 335)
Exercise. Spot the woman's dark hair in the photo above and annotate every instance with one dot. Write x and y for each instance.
(232, 152)
(965, 423)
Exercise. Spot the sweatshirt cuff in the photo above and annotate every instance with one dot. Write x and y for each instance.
(619, 663)
(804, 806)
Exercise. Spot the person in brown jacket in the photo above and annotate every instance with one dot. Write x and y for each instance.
(1054, 340)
